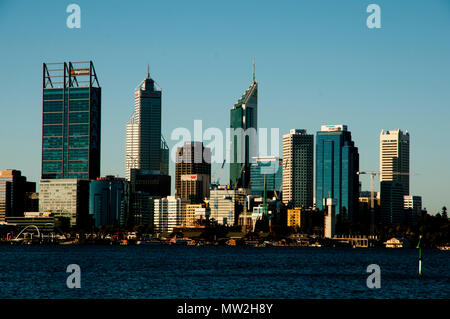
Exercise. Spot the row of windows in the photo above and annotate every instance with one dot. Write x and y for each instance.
(74, 129)
(57, 106)
(74, 93)
(57, 142)
(60, 175)
(56, 166)
(57, 154)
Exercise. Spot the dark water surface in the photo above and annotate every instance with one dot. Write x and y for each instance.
(220, 272)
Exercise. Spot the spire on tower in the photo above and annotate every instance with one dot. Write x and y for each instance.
(253, 70)
(148, 71)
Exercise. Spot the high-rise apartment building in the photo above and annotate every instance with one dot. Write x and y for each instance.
(298, 163)
(394, 157)
(337, 165)
(193, 171)
(244, 125)
(145, 147)
(71, 110)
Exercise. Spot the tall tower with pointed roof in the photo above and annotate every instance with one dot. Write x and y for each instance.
(244, 125)
(143, 129)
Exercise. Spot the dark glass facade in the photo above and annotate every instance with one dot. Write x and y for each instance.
(272, 170)
(243, 116)
(106, 197)
(13, 190)
(392, 202)
(71, 113)
(337, 164)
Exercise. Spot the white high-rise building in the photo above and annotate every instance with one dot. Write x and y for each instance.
(143, 130)
(394, 157)
(169, 213)
(298, 162)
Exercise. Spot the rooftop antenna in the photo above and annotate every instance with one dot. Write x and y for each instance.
(253, 70)
(148, 71)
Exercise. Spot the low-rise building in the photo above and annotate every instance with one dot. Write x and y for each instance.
(67, 198)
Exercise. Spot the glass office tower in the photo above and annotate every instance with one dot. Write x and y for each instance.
(70, 121)
(145, 147)
(106, 197)
(337, 164)
(268, 170)
(243, 124)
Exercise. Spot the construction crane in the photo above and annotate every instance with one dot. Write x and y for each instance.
(372, 186)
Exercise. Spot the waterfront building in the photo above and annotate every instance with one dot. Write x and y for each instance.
(226, 204)
(266, 170)
(65, 198)
(168, 213)
(13, 193)
(394, 157)
(337, 164)
(201, 215)
(298, 163)
(193, 212)
(71, 121)
(106, 196)
(244, 125)
(294, 217)
(193, 171)
(45, 222)
(146, 149)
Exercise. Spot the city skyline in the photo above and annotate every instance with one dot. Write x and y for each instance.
(336, 101)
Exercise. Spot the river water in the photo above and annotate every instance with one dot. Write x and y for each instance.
(39, 271)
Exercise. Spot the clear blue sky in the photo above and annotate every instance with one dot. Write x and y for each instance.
(316, 61)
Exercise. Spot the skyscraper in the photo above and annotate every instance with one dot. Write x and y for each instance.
(71, 110)
(193, 172)
(337, 164)
(268, 170)
(394, 157)
(244, 125)
(145, 147)
(298, 157)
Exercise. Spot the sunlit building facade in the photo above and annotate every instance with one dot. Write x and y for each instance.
(337, 166)
(71, 121)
